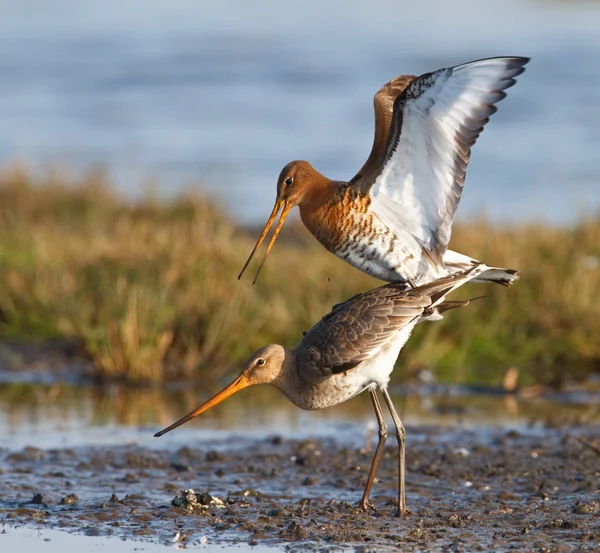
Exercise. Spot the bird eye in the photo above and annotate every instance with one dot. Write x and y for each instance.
(289, 181)
(260, 361)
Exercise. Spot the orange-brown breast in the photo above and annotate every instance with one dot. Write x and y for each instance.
(336, 214)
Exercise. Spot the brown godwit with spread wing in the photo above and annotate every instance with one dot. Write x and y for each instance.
(394, 218)
(350, 350)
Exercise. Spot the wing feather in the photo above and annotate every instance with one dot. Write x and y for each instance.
(436, 120)
(357, 329)
(383, 104)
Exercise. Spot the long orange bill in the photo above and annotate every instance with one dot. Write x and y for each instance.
(285, 208)
(238, 384)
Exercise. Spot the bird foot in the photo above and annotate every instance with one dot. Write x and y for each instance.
(366, 505)
(404, 512)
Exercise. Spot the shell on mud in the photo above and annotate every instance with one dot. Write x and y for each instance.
(191, 500)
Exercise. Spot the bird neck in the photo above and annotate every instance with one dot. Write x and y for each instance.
(289, 382)
(327, 214)
(317, 188)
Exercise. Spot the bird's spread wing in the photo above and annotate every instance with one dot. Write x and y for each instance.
(436, 120)
(383, 103)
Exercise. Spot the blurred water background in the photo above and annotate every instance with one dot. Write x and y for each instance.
(226, 93)
(172, 96)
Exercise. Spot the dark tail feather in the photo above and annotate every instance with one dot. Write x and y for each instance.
(455, 304)
(437, 289)
(447, 305)
(437, 312)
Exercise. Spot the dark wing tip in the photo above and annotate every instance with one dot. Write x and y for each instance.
(511, 61)
(521, 61)
(513, 66)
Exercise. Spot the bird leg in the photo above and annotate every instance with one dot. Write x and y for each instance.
(401, 437)
(383, 432)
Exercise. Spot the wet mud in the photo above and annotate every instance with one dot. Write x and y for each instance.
(534, 489)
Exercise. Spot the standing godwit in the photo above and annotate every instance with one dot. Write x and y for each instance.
(393, 220)
(350, 350)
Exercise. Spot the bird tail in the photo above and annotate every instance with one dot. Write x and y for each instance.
(459, 262)
(454, 304)
(436, 313)
(440, 288)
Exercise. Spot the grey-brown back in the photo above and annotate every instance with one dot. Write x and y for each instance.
(360, 326)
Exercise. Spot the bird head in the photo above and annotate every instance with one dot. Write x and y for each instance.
(262, 367)
(296, 180)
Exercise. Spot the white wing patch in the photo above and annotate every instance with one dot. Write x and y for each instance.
(436, 122)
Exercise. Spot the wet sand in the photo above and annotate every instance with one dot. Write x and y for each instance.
(534, 489)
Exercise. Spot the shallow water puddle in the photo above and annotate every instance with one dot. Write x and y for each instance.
(43, 412)
(54, 541)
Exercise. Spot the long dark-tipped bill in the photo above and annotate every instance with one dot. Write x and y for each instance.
(238, 384)
(285, 208)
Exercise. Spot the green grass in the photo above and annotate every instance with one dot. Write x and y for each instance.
(150, 289)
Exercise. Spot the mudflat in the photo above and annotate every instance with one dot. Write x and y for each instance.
(535, 489)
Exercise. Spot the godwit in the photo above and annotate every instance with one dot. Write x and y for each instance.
(350, 350)
(394, 218)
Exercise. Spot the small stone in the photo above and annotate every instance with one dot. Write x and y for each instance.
(179, 502)
(180, 467)
(204, 498)
(276, 440)
(38, 499)
(294, 532)
(590, 508)
(213, 456)
(416, 533)
(456, 521)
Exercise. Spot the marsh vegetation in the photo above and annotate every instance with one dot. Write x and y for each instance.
(148, 289)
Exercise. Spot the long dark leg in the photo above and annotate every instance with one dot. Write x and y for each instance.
(383, 432)
(401, 437)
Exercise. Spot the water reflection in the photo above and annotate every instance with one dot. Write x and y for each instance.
(30, 412)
